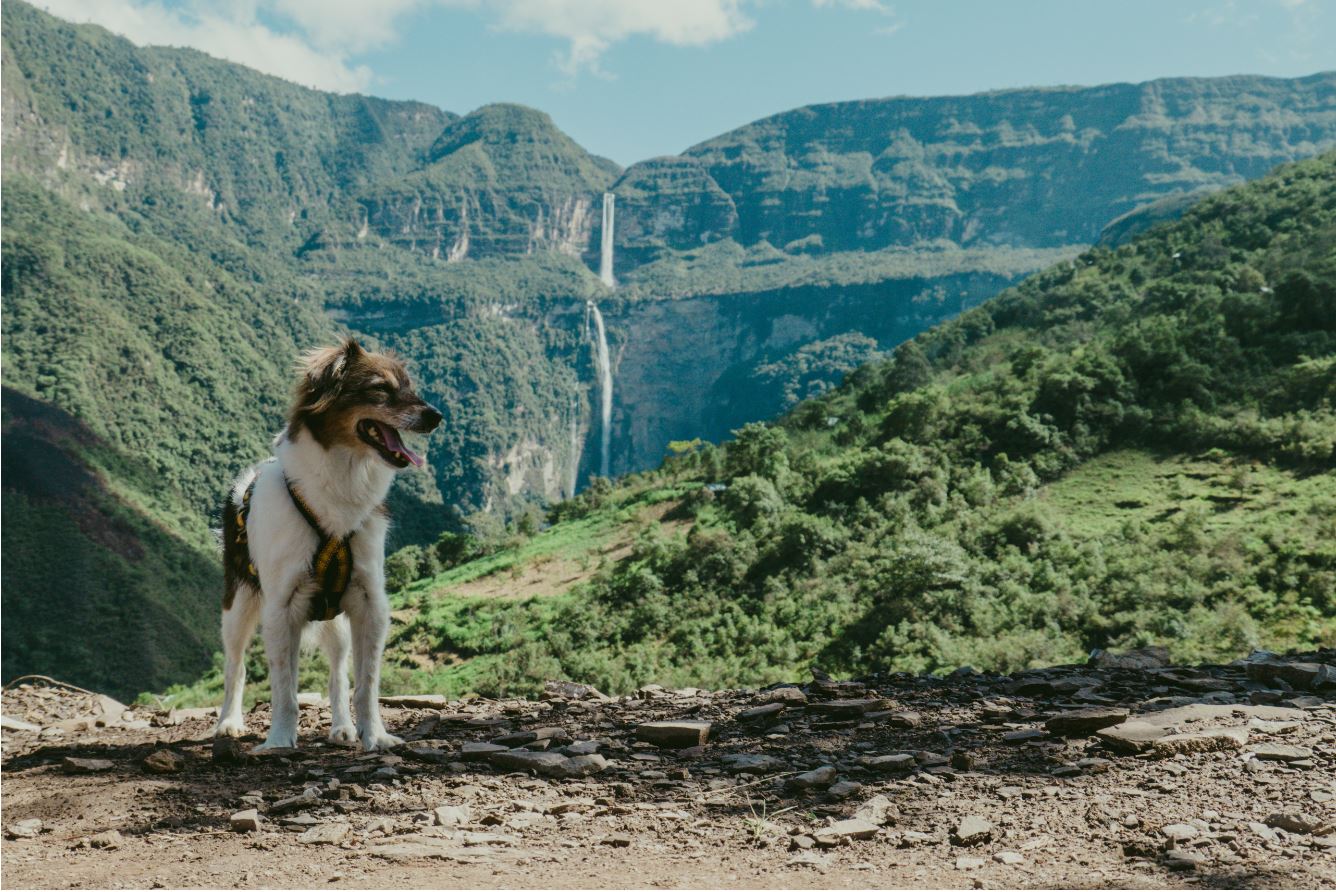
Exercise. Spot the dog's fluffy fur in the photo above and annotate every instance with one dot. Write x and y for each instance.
(340, 450)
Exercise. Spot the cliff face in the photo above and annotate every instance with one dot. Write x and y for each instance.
(703, 366)
(1019, 168)
(501, 180)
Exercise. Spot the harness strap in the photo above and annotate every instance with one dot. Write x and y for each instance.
(331, 566)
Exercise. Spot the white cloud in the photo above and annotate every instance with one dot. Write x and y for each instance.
(314, 42)
(229, 30)
(347, 25)
(590, 27)
(878, 6)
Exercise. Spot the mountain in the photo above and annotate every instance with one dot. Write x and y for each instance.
(1134, 447)
(1023, 168)
(177, 228)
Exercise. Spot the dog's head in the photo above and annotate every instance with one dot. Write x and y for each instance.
(347, 396)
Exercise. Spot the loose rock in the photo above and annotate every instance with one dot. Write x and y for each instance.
(1084, 722)
(674, 735)
(972, 830)
(245, 821)
(165, 762)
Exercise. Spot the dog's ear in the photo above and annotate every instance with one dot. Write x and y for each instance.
(321, 373)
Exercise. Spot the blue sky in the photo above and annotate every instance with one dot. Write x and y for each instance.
(630, 79)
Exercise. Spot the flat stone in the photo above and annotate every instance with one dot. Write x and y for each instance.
(416, 701)
(844, 709)
(25, 829)
(1130, 737)
(844, 789)
(324, 834)
(1280, 752)
(478, 752)
(582, 748)
(915, 838)
(817, 777)
(674, 735)
(246, 821)
(433, 755)
(1084, 722)
(1200, 741)
(1182, 859)
(549, 764)
(761, 713)
(304, 799)
(788, 695)
(616, 840)
(972, 830)
(450, 815)
(569, 690)
(1307, 676)
(852, 828)
(904, 719)
(1008, 857)
(878, 810)
(896, 762)
(751, 763)
(969, 862)
(1300, 822)
(1179, 832)
(1023, 735)
(164, 762)
(1262, 726)
(74, 765)
(9, 723)
(582, 766)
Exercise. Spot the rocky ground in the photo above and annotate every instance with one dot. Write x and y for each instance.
(1124, 772)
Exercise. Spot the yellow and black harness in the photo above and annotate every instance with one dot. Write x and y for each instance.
(332, 566)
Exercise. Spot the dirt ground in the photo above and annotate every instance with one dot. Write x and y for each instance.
(1124, 773)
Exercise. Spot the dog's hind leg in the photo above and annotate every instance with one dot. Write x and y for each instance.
(336, 639)
(239, 621)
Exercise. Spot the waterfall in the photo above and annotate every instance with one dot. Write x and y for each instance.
(575, 447)
(605, 261)
(604, 379)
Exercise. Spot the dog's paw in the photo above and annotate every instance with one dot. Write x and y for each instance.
(378, 741)
(277, 743)
(343, 734)
(231, 727)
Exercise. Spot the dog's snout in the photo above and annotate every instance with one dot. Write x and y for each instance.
(429, 419)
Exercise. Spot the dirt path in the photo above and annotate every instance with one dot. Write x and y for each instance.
(1224, 776)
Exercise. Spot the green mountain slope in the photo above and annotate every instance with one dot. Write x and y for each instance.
(139, 377)
(1137, 446)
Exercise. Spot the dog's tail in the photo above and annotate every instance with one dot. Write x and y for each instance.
(233, 539)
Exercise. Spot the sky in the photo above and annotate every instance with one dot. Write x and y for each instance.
(632, 79)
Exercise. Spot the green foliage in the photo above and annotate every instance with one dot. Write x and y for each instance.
(1082, 462)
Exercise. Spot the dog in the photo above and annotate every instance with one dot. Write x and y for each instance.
(304, 542)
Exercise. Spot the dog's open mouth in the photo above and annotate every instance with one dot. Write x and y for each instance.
(385, 440)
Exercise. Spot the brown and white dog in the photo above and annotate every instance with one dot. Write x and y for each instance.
(326, 482)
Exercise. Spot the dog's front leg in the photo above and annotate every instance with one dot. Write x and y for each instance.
(369, 615)
(282, 630)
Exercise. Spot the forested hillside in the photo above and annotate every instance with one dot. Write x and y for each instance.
(177, 228)
(1135, 447)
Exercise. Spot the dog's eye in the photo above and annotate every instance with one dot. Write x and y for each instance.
(383, 393)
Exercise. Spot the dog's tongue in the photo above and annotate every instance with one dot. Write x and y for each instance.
(395, 444)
